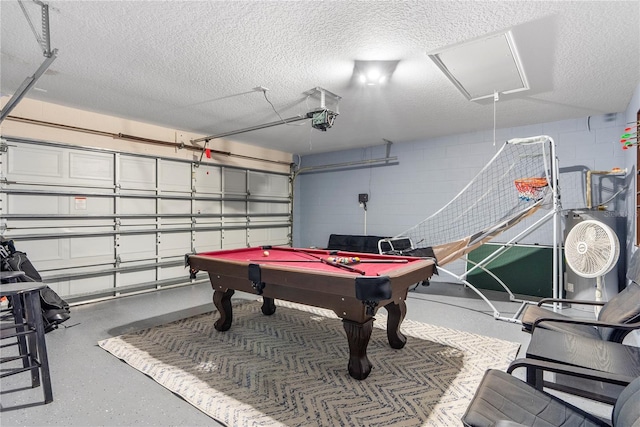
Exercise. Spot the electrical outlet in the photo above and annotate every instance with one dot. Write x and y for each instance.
(363, 198)
(569, 287)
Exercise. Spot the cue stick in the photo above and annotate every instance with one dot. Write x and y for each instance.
(335, 264)
(345, 266)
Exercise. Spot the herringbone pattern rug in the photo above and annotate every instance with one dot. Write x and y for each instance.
(290, 369)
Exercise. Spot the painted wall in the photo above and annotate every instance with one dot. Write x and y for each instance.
(45, 121)
(429, 173)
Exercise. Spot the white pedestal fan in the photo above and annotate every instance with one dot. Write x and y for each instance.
(592, 250)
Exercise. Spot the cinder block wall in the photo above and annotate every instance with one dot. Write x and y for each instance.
(429, 173)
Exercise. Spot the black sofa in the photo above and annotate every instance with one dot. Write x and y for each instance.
(354, 243)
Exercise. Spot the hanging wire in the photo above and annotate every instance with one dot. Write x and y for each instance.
(33, 28)
(309, 138)
(264, 92)
(495, 101)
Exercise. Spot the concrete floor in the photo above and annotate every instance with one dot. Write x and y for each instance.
(91, 387)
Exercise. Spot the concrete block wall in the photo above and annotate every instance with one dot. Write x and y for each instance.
(429, 173)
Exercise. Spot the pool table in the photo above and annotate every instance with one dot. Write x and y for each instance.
(353, 285)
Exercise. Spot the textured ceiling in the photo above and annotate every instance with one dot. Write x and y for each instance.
(192, 65)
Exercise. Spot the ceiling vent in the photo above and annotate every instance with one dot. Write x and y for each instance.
(483, 67)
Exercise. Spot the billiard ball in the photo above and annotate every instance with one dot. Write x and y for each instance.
(265, 253)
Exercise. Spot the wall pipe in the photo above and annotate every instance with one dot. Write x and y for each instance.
(179, 145)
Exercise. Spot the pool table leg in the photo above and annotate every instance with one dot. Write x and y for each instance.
(222, 301)
(268, 306)
(358, 335)
(396, 313)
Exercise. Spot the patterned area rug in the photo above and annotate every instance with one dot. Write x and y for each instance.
(290, 369)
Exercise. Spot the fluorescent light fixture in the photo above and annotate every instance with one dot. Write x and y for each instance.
(483, 67)
(374, 73)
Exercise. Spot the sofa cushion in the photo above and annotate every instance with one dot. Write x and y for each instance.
(354, 243)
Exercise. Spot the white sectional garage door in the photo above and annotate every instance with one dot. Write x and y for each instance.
(97, 223)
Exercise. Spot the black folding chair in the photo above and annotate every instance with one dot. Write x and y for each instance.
(503, 400)
(616, 318)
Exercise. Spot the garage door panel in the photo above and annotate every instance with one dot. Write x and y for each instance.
(35, 164)
(235, 181)
(135, 206)
(279, 235)
(44, 253)
(259, 237)
(26, 204)
(140, 222)
(91, 249)
(269, 236)
(60, 166)
(137, 246)
(208, 180)
(205, 222)
(93, 167)
(90, 205)
(22, 204)
(207, 206)
(234, 207)
(174, 176)
(268, 208)
(78, 211)
(130, 278)
(177, 272)
(266, 184)
(91, 285)
(175, 244)
(54, 225)
(208, 241)
(271, 219)
(175, 206)
(137, 172)
(234, 239)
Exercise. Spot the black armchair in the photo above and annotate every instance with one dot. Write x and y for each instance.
(616, 319)
(504, 400)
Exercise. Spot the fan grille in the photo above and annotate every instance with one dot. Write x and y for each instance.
(591, 249)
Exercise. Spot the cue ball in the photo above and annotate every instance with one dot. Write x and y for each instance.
(265, 253)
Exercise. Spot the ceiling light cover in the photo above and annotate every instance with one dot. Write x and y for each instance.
(374, 73)
(482, 67)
